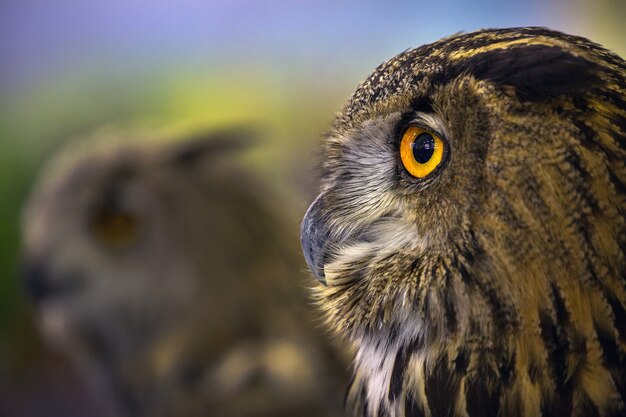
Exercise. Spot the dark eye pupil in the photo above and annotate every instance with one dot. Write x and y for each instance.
(423, 148)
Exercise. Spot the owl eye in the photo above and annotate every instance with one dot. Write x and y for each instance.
(114, 227)
(421, 151)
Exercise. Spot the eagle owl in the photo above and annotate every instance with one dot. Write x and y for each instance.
(469, 232)
(163, 271)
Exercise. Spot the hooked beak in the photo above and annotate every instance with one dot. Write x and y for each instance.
(314, 237)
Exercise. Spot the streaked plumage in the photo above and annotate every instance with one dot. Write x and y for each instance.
(161, 267)
(496, 285)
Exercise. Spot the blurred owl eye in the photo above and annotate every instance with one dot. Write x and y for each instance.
(421, 151)
(114, 228)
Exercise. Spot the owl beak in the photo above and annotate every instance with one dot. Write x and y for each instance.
(35, 279)
(314, 234)
(41, 285)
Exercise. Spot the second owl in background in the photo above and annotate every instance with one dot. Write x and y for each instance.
(469, 234)
(163, 270)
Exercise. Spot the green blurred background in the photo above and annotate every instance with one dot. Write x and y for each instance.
(70, 67)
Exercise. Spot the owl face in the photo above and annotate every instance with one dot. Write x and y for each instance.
(118, 242)
(373, 201)
(88, 229)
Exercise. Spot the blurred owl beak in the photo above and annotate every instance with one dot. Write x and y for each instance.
(35, 280)
(314, 235)
(40, 285)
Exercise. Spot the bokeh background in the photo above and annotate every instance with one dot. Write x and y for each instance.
(71, 66)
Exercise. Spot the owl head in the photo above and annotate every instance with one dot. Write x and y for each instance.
(159, 264)
(471, 188)
(116, 217)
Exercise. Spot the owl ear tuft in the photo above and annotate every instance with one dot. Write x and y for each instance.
(213, 143)
(536, 72)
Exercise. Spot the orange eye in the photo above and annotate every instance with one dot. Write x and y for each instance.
(421, 151)
(115, 228)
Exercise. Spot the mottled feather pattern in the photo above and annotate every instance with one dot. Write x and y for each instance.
(508, 295)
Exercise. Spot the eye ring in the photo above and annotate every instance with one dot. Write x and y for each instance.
(421, 151)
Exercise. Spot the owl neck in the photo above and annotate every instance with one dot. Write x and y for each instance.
(553, 361)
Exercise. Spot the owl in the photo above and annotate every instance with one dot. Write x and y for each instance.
(469, 235)
(163, 270)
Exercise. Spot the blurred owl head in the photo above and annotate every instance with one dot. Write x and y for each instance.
(156, 261)
(118, 224)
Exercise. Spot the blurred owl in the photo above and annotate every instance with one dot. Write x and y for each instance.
(469, 234)
(161, 267)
